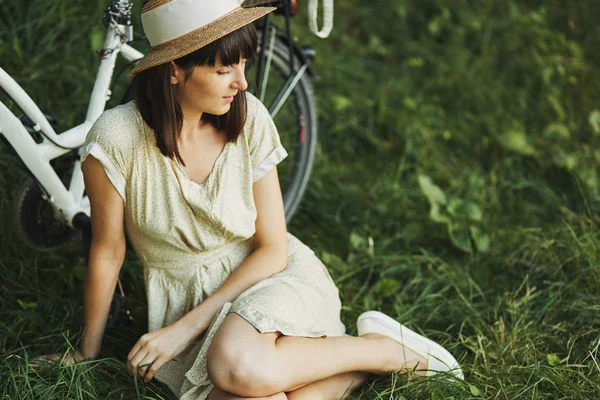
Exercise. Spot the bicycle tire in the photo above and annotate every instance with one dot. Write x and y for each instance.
(35, 220)
(296, 123)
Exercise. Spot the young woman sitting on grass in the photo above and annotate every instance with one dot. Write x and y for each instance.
(238, 308)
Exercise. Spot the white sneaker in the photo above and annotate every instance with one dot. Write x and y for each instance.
(438, 358)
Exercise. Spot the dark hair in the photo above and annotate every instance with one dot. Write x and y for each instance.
(157, 101)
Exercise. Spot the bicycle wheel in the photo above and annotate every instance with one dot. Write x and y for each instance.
(296, 120)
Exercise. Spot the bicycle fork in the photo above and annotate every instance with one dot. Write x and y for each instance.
(39, 165)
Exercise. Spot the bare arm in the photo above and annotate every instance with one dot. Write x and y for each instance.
(269, 258)
(106, 254)
(154, 349)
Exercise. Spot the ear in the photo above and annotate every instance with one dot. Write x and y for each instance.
(176, 74)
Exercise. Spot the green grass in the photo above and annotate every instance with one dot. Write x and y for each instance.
(493, 101)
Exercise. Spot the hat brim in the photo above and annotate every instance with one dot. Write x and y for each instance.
(192, 41)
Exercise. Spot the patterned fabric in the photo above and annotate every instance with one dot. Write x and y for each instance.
(191, 236)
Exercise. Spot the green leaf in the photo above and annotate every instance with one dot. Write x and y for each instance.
(415, 62)
(357, 242)
(459, 235)
(334, 262)
(79, 272)
(26, 305)
(561, 157)
(474, 390)
(434, 25)
(481, 239)
(411, 231)
(464, 209)
(437, 215)
(558, 108)
(594, 120)
(16, 45)
(435, 395)
(434, 194)
(557, 131)
(553, 359)
(516, 140)
(341, 103)
(410, 103)
(387, 287)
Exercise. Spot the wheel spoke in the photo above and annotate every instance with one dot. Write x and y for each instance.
(287, 93)
(287, 90)
(265, 78)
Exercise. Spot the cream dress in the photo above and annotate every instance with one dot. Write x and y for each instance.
(191, 236)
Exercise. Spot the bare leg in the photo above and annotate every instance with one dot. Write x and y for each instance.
(333, 388)
(218, 394)
(246, 363)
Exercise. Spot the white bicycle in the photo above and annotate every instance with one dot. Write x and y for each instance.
(52, 208)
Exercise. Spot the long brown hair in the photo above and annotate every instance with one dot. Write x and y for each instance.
(156, 98)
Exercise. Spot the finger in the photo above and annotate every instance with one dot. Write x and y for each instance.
(72, 358)
(77, 356)
(132, 365)
(48, 357)
(137, 347)
(145, 364)
(44, 359)
(138, 352)
(153, 369)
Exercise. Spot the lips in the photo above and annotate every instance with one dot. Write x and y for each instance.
(229, 99)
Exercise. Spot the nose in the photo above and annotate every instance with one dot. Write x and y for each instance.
(240, 82)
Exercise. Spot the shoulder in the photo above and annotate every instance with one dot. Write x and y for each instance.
(258, 120)
(264, 144)
(256, 111)
(118, 127)
(119, 123)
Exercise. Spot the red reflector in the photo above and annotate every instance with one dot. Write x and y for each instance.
(294, 7)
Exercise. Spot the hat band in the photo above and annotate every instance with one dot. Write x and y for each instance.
(180, 17)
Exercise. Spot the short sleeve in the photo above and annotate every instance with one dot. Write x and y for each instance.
(110, 142)
(264, 144)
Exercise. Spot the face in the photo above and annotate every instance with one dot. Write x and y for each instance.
(209, 89)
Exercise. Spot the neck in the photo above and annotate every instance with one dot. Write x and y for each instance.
(192, 123)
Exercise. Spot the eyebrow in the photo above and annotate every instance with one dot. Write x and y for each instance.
(242, 59)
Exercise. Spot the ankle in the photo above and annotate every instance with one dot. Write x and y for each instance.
(385, 349)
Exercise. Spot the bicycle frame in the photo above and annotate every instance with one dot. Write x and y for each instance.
(289, 8)
(37, 156)
(70, 202)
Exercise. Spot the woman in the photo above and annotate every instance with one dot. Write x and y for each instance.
(238, 308)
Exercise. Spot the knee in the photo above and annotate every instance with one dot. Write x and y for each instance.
(243, 371)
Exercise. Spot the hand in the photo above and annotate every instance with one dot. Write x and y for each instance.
(68, 359)
(155, 349)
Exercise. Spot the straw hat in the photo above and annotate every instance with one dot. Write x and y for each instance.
(176, 28)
